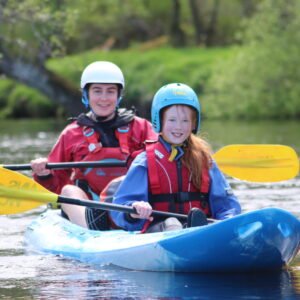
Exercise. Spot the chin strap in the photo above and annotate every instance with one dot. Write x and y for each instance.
(85, 99)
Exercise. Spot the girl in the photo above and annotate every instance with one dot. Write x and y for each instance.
(175, 173)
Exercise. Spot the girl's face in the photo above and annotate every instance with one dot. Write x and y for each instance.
(177, 123)
(103, 99)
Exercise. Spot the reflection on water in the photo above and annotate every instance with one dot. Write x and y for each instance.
(38, 136)
(22, 141)
(28, 276)
(56, 278)
(222, 133)
(283, 194)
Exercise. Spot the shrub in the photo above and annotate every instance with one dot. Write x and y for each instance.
(23, 102)
(261, 81)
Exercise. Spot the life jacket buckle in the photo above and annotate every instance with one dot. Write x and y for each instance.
(92, 147)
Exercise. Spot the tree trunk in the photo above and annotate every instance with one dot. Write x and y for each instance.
(248, 8)
(48, 83)
(211, 30)
(198, 25)
(176, 33)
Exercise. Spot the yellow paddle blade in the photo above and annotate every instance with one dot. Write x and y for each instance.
(19, 193)
(258, 163)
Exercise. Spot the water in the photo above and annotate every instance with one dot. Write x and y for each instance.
(33, 276)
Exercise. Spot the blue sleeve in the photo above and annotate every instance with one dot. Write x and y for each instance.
(133, 188)
(223, 203)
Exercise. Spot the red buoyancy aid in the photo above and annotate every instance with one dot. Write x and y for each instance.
(98, 178)
(165, 193)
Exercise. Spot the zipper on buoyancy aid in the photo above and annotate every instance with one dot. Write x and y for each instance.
(179, 182)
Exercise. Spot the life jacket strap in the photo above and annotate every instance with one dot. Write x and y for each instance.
(122, 135)
(92, 139)
(154, 178)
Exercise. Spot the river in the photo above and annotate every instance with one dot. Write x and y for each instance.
(25, 275)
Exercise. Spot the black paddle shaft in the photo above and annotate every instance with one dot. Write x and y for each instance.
(117, 207)
(68, 165)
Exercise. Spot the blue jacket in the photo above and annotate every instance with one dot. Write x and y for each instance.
(223, 202)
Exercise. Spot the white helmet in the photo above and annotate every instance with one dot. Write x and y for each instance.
(102, 72)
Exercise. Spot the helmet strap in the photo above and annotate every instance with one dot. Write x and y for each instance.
(85, 98)
(120, 95)
(119, 101)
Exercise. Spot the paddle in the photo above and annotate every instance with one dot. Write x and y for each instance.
(68, 165)
(256, 163)
(19, 193)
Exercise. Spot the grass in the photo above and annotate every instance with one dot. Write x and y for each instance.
(145, 72)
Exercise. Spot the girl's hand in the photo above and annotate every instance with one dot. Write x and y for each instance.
(38, 166)
(143, 209)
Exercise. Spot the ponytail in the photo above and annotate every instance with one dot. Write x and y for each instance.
(196, 157)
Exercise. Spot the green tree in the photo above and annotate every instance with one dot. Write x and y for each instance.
(31, 32)
(262, 80)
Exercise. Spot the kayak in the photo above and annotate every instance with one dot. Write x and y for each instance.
(266, 239)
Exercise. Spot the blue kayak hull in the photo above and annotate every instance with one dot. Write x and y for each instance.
(266, 239)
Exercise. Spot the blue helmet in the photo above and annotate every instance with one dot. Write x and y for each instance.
(173, 94)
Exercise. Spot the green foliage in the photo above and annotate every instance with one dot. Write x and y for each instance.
(34, 29)
(118, 22)
(146, 71)
(121, 23)
(19, 101)
(6, 87)
(262, 80)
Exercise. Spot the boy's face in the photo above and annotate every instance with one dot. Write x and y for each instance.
(103, 99)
